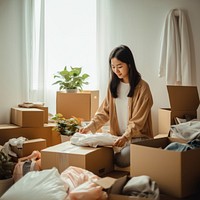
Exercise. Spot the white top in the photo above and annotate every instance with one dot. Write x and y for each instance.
(175, 55)
(122, 106)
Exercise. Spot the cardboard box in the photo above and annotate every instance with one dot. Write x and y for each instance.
(184, 100)
(176, 173)
(8, 131)
(97, 160)
(46, 114)
(27, 117)
(114, 186)
(29, 146)
(82, 104)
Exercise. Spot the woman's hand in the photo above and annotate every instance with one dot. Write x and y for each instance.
(84, 130)
(121, 141)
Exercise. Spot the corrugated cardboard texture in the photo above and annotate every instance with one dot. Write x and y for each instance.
(27, 117)
(177, 173)
(183, 97)
(97, 160)
(46, 113)
(82, 104)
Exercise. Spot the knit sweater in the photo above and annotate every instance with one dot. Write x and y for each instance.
(139, 120)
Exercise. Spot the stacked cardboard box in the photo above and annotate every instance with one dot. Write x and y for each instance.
(46, 113)
(82, 104)
(27, 117)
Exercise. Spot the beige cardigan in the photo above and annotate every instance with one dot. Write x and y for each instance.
(139, 123)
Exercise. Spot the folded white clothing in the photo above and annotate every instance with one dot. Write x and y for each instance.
(93, 140)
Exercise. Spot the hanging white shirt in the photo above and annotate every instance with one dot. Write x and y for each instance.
(122, 106)
(175, 57)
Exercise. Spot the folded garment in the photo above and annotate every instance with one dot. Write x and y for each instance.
(177, 146)
(188, 130)
(142, 186)
(93, 140)
(31, 105)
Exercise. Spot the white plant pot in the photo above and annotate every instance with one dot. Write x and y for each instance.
(5, 184)
(72, 90)
(65, 138)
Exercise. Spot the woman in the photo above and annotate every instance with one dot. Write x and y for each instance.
(127, 105)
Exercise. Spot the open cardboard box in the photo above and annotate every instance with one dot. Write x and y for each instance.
(114, 186)
(176, 173)
(29, 146)
(184, 100)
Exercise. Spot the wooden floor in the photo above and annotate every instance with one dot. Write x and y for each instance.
(193, 197)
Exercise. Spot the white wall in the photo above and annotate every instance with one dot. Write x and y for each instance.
(10, 56)
(141, 25)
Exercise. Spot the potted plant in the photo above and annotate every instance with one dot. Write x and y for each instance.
(71, 79)
(66, 127)
(6, 172)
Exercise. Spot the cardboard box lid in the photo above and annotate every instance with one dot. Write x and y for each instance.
(183, 97)
(114, 188)
(114, 185)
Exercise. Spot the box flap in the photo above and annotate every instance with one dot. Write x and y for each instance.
(114, 185)
(183, 97)
(106, 182)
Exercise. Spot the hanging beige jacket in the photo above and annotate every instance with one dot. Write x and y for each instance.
(139, 123)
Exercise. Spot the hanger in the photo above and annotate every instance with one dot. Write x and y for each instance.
(176, 12)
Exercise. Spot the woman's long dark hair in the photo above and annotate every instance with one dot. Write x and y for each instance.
(124, 54)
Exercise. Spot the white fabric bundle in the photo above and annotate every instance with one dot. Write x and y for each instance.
(18, 142)
(142, 186)
(188, 130)
(93, 140)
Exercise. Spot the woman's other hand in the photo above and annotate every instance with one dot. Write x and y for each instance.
(120, 142)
